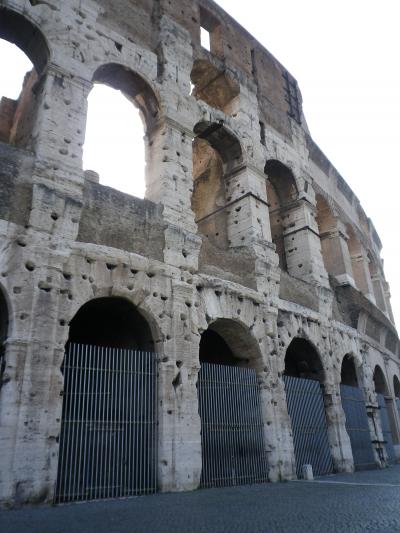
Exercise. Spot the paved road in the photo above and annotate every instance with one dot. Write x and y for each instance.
(361, 502)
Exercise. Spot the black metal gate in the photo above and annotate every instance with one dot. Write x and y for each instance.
(386, 429)
(108, 444)
(357, 426)
(307, 413)
(232, 435)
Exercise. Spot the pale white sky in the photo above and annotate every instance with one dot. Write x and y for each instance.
(345, 57)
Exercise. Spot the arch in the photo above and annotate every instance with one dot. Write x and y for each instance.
(126, 165)
(281, 193)
(19, 30)
(18, 115)
(348, 373)
(230, 406)
(111, 322)
(380, 381)
(216, 154)
(302, 360)
(134, 87)
(228, 342)
(396, 387)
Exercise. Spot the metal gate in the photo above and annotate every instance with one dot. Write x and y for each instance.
(307, 414)
(232, 435)
(357, 426)
(386, 430)
(108, 444)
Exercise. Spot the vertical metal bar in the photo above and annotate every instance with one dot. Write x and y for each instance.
(124, 422)
(81, 410)
(72, 431)
(97, 429)
(131, 423)
(74, 425)
(137, 415)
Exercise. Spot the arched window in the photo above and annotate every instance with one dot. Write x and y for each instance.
(114, 147)
(23, 57)
(216, 154)
(281, 193)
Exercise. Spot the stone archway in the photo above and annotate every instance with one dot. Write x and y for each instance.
(232, 432)
(304, 378)
(108, 440)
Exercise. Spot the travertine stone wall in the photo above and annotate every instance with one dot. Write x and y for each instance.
(66, 240)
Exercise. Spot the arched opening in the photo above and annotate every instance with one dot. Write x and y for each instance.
(108, 440)
(304, 378)
(3, 334)
(396, 387)
(380, 381)
(24, 55)
(386, 412)
(302, 361)
(357, 425)
(281, 193)
(348, 372)
(119, 136)
(216, 154)
(232, 434)
(396, 390)
(113, 323)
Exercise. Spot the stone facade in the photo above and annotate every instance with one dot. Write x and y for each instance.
(246, 230)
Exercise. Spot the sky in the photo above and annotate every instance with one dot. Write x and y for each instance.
(345, 57)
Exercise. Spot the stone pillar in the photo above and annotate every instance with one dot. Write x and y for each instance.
(359, 262)
(386, 291)
(30, 407)
(339, 440)
(378, 289)
(302, 243)
(336, 255)
(179, 420)
(169, 148)
(248, 218)
(59, 135)
(277, 431)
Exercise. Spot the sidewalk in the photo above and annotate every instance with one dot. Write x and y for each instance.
(362, 502)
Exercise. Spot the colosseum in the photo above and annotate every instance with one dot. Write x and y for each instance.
(232, 327)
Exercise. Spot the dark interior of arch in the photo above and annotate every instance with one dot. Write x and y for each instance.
(3, 318)
(230, 343)
(134, 87)
(213, 349)
(379, 381)
(113, 322)
(348, 372)
(16, 29)
(396, 387)
(222, 141)
(302, 361)
(282, 180)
